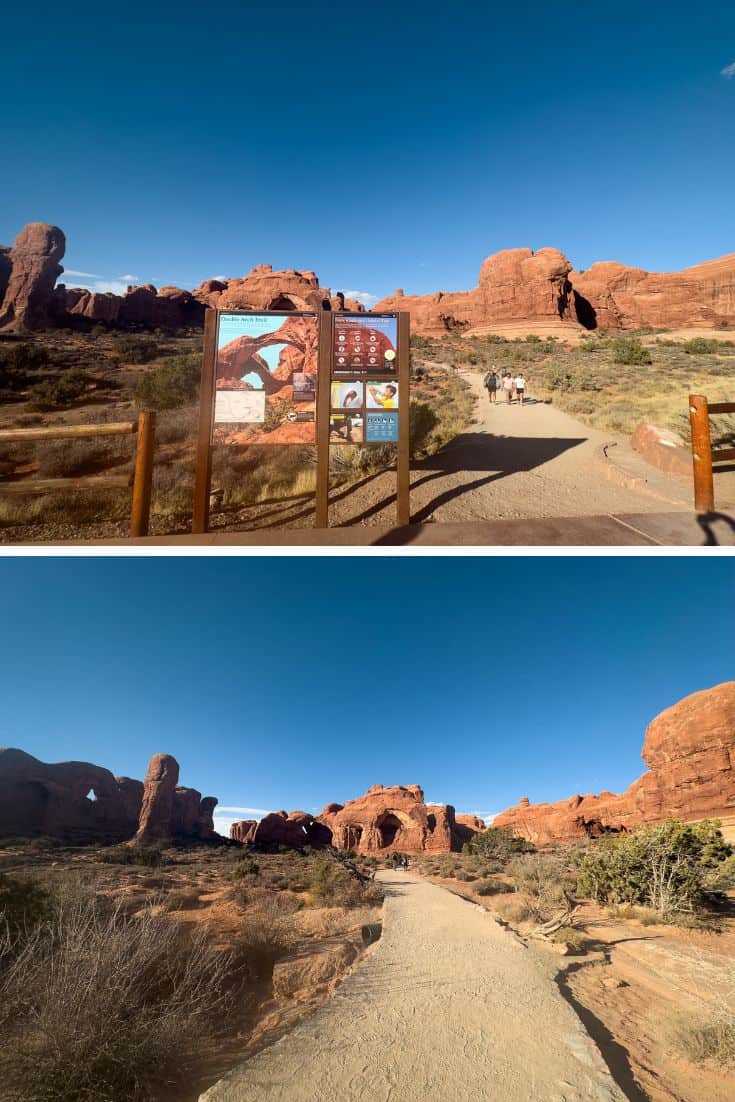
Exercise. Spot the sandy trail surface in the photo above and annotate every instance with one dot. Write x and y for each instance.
(447, 1005)
(513, 461)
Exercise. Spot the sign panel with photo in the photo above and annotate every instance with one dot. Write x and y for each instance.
(381, 428)
(347, 428)
(366, 344)
(348, 395)
(382, 395)
(265, 378)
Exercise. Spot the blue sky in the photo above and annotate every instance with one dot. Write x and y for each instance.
(292, 682)
(382, 146)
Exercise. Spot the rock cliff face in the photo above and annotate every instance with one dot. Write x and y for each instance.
(520, 285)
(28, 273)
(394, 818)
(690, 752)
(79, 802)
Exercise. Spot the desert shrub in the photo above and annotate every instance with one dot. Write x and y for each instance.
(513, 908)
(665, 867)
(497, 842)
(541, 878)
(58, 393)
(701, 346)
(332, 884)
(629, 350)
(135, 350)
(396, 860)
(180, 899)
(422, 421)
(17, 361)
(245, 867)
(95, 1005)
(698, 1039)
(721, 878)
(70, 457)
(573, 939)
(23, 904)
(466, 877)
(147, 856)
(176, 425)
(175, 383)
(490, 886)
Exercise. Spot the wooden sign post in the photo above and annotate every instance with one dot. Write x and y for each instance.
(323, 355)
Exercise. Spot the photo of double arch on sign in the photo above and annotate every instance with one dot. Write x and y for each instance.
(266, 374)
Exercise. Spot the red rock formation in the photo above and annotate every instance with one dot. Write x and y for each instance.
(34, 269)
(628, 298)
(690, 752)
(395, 818)
(71, 800)
(516, 284)
(156, 816)
(520, 285)
(79, 802)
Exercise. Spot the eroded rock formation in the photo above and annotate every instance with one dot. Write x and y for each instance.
(690, 753)
(80, 802)
(28, 272)
(384, 819)
(520, 285)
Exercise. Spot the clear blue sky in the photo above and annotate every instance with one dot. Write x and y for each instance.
(292, 682)
(384, 145)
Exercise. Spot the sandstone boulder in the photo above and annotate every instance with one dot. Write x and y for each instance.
(690, 751)
(33, 261)
(663, 449)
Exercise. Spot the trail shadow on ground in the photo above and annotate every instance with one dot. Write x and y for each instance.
(471, 452)
(706, 522)
(613, 1053)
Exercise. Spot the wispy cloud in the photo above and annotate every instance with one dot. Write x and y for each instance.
(245, 812)
(362, 296)
(729, 71)
(115, 285)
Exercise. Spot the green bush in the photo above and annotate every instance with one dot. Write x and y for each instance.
(701, 346)
(23, 904)
(245, 867)
(666, 867)
(17, 361)
(422, 420)
(58, 393)
(629, 350)
(135, 350)
(175, 383)
(497, 842)
(147, 856)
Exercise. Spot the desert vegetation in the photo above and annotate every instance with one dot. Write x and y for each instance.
(139, 974)
(610, 381)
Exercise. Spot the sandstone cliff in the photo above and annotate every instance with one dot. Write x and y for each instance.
(79, 802)
(690, 753)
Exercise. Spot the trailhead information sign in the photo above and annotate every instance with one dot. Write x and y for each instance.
(266, 373)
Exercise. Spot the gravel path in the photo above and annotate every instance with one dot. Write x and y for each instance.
(447, 1005)
(513, 461)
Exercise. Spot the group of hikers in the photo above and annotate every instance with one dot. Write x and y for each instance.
(510, 386)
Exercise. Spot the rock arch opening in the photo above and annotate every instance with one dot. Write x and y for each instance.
(282, 302)
(388, 826)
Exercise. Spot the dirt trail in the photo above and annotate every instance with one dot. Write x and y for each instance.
(513, 461)
(446, 1005)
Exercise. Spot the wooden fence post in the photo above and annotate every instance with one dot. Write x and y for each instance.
(143, 477)
(704, 491)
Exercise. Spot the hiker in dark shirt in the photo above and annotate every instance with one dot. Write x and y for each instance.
(491, 382)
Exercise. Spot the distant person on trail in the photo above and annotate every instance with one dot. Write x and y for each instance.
(520, 384)
(491, 381)
(508, 387)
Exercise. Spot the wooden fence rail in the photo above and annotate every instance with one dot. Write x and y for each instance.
(144, 429)
(703, 456)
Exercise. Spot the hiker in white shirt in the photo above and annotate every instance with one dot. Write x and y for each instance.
(520, 384)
